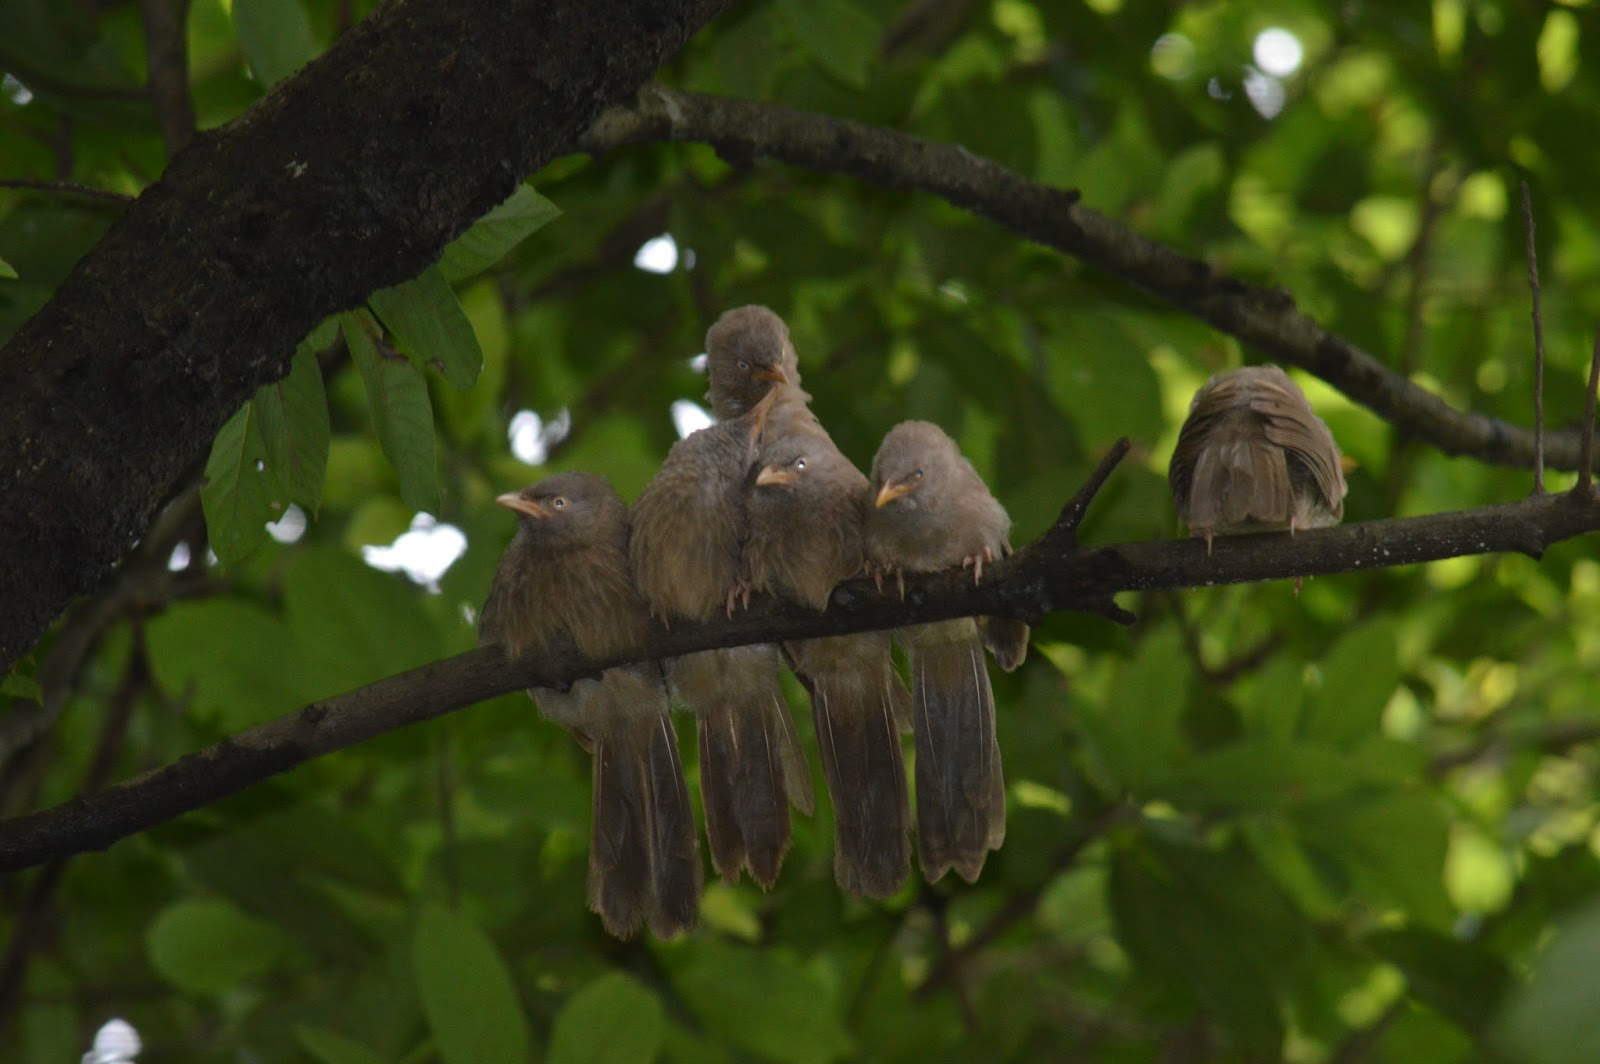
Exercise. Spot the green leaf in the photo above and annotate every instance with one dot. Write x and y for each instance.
(1463, 980)
(496, 233)
(293, 415)
(613, 1020)
(765, 1002)
(232, 658)
(1551, 1019)
(1269, 774)
(7, 271)
(329, 1048)
(351, 623)
(1390, 847)
(18, 684)
(430, 327)
(240, 492)
(1135, 734)
(208, 946)
(839, 35)
(466, 992)
(276, 37)
(401, 412)
(1358, 676)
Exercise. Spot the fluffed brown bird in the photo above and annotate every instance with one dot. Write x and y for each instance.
(749, 355)
(807, 512)
(932, 511)
(1253, 457)
(565, 576)
(687, 544)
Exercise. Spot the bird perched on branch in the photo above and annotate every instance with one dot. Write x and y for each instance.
(932, 511)
(1253, 457)
(687, 552)
(565, 576)
(807, 514)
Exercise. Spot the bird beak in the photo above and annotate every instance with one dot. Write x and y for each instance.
(774, 374)
(761, 410)
(892, 491)
(512, 500)
(771, 475)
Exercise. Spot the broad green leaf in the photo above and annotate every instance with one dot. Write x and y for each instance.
(466, 992)
(401, 412)
(7, 271)
(1269, 774)
(275, 35)
(351, 623)
(1358, 676)
(496, 233)
(430, 327)
(764, 1001)
(1135, 733)
(1389, 849)
(839, 35)
(1551, 1018)
(232, 658)
(293, 415)
(208, 946)
(613, 1020)
(1464, 980)
(330, 1048)
(240, 495)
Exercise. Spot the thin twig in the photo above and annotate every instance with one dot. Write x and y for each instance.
(1586, 452)
(1538, 341)
(1072, 514)
(68, 188)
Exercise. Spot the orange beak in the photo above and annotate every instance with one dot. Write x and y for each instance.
(512, 500)
(771, 475)
(761, 410)
(892, 491)
(774, 374)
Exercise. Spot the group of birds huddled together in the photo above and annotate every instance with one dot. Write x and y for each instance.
(762, 501)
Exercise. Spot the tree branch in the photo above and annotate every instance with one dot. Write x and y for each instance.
(1052, 573)
(350, 176)
(1266, 319)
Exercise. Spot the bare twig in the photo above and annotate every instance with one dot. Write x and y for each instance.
(1538, 341)
(166, 47)
(1586, 454)
(68, 188)
(1264, 318)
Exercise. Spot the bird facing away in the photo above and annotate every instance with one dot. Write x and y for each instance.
(932, 511)
(807, 513)
(565, 577)
(686, 548)
(1253, 457)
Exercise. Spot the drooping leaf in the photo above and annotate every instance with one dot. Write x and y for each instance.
(1550, 1019)
(397, 397)
(466, 992)
(330, 1048)
(430, 327)
(837, 33)
(241, 495)
(293, 415)
(7, 271)
(503, 228)
(208, 946)
(276, 37)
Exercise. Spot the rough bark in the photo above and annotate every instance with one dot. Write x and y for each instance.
(349, 177)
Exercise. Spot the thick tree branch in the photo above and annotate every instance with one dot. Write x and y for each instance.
(1266, 319)
(1052, 573)
(350, 176)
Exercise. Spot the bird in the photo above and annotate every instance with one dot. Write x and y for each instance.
(1253, 457)
(687, 556)
(748, 355)
(807, 512)
(932, 511)
(565, 577)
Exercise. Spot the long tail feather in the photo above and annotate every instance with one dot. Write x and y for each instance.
(960, 786)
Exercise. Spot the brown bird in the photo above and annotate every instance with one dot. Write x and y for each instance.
(687, 544)
(748, 355)
(932, 511)
(807, 512)
(1252, 457)
(565, 577)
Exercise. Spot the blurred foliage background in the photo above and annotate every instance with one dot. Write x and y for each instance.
(1354, 824)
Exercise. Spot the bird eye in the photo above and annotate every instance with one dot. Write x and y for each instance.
(917, 474)
(744, 365)
(799, 463)
(558, 503)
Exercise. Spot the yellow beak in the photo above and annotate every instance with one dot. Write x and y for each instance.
(892, 491)
(771, 475)
(514, 501)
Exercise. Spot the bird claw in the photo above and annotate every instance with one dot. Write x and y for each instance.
(739, 596)
(976, 562)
